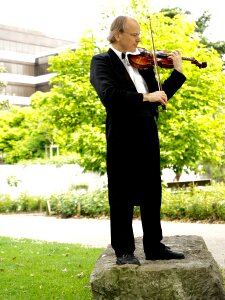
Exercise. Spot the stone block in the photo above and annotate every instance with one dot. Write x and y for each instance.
(197, 277)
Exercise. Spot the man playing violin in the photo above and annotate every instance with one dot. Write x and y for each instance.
(131, 98)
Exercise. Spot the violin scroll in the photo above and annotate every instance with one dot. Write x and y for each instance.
(198, 64)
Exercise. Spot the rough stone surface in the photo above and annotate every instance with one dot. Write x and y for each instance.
(197, 277)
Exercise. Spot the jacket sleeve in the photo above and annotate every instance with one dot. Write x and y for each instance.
(169, 86)
(173, 83)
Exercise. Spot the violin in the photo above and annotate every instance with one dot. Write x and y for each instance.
(145, 60)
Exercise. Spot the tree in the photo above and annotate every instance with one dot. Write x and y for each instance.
(203, 22)
(23, 135)
(193, 128)
(73, 106)
(191, 131)
(72, 101)
(18, 138)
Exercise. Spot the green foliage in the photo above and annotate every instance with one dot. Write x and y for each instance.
(65, 204)
(22, 203)
(43, 270)
(4, 104)
(91, 204)
(89, 142)
(24, 132)
(7, 204)
(194, 204)
(12, 181)
(19, 138)
(72, 102)
(203, 22)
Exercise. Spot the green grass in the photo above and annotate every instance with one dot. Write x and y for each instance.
(32, 269)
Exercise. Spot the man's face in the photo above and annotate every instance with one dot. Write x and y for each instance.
(127, 41)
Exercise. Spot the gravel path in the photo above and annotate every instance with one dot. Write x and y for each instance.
(96, 233)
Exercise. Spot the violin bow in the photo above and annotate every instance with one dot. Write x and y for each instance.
(155, 60)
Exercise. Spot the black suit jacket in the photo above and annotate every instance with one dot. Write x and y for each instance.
(116, 89)
(132, 138)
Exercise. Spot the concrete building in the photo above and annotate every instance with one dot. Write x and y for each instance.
(24, 54)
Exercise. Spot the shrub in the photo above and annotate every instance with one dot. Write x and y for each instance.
(192, 204)
(91, 204)
(24, 203)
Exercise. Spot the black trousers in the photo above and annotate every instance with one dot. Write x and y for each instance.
(133, 167)
(122, 236)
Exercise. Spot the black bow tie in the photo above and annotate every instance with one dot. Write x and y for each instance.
(123, 55)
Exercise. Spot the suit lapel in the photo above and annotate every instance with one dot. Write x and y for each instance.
(121, 71)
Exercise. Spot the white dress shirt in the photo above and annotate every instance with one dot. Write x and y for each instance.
(137, 79)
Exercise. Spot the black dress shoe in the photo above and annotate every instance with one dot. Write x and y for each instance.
(127, 259)
(164, 254)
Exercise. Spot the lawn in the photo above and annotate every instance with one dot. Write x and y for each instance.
(32, 269)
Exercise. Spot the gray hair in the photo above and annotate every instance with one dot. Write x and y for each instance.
(116, 26)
